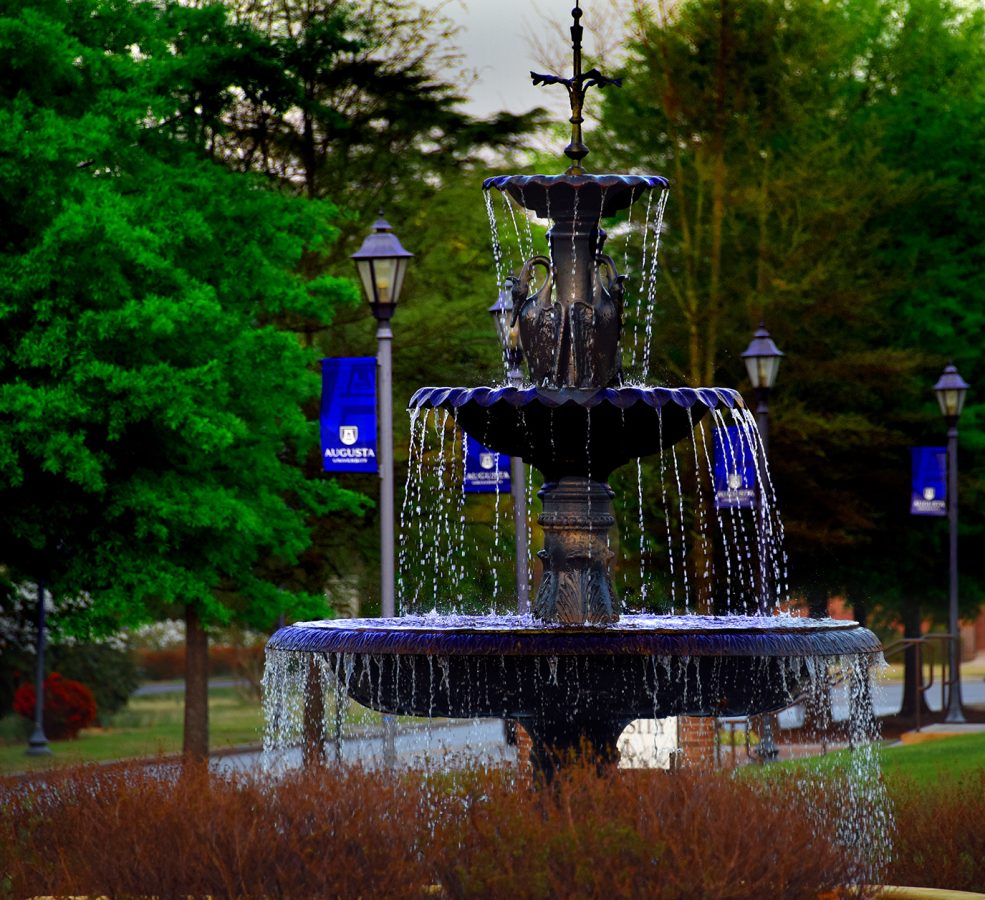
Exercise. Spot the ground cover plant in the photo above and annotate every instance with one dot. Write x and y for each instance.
(937, 792)
(350, 832)
(940, 841)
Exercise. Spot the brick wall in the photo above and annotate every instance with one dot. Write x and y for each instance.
(697, 741)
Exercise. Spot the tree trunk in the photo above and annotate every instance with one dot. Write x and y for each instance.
(912, 676)
(195, 747)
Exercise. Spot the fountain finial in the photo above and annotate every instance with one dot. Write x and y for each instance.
(577, 86)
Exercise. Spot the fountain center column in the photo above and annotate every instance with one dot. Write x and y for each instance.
(577, 583)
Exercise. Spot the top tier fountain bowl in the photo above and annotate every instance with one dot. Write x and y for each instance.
(576, 672)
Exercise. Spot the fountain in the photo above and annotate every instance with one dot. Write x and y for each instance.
(578, 670)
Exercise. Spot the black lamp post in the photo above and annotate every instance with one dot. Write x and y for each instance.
(951, 389)
(509, 339)
(37, 744)
(763, 363)
(382, 263)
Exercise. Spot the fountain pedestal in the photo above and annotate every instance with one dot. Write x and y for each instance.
(577, 583)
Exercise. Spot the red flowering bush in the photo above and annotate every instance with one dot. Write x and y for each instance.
(69, 706)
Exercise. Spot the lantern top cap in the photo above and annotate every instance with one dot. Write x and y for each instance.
(504, 302)
(381, 243)
(950, 380)
(761, 345)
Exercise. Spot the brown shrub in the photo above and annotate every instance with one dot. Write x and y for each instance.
(349, 833)
(169, 664)
(940, 834)
(650, 834)
(169, 832)
(161, 665)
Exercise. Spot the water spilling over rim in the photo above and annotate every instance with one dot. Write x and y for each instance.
(554, 196)
(620, 397)
(635, 635)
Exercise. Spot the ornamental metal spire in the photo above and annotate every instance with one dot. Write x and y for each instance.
(577, 86)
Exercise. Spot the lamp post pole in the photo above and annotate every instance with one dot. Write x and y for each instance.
(384, 363)
(951, 389)
(382, 263)
(762, 358)
(502, 315)
(37, 745)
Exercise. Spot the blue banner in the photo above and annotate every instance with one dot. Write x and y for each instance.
(485, 470)
(348, 414)
(928, 494)
(735, 469)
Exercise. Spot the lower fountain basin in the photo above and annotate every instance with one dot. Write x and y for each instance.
(577, 432)
(551, 676)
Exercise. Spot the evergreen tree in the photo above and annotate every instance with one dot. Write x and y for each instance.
(151, 417)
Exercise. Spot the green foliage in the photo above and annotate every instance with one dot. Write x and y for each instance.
(823, 164)
(152, 418)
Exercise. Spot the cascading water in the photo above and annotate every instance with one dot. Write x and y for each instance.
(580, 668)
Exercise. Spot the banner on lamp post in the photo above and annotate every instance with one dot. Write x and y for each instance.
(348, 414)
(928, 491)
(486, 471)
(735, 469)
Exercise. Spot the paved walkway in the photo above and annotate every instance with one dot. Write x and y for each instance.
(479, 740)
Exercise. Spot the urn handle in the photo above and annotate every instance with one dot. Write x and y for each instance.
(521, 285)
(613, 284)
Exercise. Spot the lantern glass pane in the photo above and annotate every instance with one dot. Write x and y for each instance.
(502, 322)
(752, 367)
(399, 270)
(951, 401)
(365, 269)
(385, 272)
(769, 366)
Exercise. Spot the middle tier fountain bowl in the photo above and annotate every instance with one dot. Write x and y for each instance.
(567, 684)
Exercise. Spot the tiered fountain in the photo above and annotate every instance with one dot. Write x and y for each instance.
(577, 672)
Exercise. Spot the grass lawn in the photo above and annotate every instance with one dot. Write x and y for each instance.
(148, 726)
(151, 726)
(973, 669)
(924, 764)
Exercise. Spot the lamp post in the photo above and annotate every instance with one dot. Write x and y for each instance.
(762, 359)
(951, 389)
(509, 340)
(382, 263)
(762, 363)
(37, 744)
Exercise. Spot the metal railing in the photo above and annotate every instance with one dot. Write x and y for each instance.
(931, 652)
(938, 644)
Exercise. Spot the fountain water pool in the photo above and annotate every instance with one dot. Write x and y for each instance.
(567, 684)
